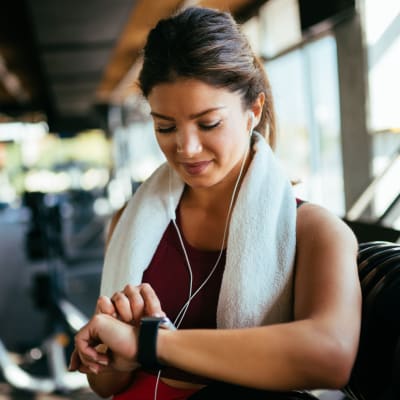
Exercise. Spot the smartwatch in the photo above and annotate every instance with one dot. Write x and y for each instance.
(147, 342)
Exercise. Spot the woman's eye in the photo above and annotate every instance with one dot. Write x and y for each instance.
(208, 127)
(168, 129)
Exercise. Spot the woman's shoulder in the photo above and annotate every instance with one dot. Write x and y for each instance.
(317, 224)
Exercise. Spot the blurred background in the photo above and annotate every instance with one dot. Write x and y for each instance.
(76, 140)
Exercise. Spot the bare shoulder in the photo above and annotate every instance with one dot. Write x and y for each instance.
(316, 226)
(326, 281)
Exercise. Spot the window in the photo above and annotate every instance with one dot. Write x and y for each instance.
(305, 89)
(382, 36)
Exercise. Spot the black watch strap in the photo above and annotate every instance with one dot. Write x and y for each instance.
(147, 343)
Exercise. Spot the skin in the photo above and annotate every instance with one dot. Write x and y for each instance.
(316, 350)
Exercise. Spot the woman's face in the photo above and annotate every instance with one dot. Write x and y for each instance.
(202, 130)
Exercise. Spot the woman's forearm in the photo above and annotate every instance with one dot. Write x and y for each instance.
(280, 357)
(107, 384)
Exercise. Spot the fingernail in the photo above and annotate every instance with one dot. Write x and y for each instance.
(93, 369)
(103, 362)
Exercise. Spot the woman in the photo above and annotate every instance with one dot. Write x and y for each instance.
(214, 240)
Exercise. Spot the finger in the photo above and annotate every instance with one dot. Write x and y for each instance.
(151, 301)
(135, 300)
(75, 361)
(87, 341)
(85, 364)
(89, 363)
(122, 306)
(90, 368)
(96, 358)
(101, 348)
(86, 370)
(105, 306)
(95, 369)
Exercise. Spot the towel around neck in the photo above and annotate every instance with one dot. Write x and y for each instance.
(257, 285)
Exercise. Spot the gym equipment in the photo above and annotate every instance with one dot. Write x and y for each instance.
(376, 373)
(44, 242)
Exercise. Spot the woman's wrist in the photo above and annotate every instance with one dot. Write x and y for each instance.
(148, 337)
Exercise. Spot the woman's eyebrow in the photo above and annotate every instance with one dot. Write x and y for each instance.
(154, 114)
(201, 113)
(191, 116)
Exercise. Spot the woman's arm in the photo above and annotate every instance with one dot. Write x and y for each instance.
(317, 349)
(105, 347)
(109, 383)
(113, 370)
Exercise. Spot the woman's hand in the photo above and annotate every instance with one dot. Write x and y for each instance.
(133, 303)
(93, 353)
(120, 339)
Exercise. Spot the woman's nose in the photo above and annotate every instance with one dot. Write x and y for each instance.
(188, 144)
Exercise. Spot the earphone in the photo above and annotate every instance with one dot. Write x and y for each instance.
(171, 209)
(253, 121)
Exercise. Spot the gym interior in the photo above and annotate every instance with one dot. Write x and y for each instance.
(76, 141)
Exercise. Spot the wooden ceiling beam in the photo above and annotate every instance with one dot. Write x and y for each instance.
(144, 16)
(132, 40)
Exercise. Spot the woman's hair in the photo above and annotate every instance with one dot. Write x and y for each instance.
(207, 45)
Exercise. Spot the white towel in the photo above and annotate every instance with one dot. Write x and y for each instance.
(257, 283)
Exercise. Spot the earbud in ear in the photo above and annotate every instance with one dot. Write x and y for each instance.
(253, 121)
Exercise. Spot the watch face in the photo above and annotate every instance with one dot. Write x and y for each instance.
(164, 322)
(167, 324)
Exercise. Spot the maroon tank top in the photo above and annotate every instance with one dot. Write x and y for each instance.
(168, 274)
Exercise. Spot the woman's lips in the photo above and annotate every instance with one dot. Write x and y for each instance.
(195, 168)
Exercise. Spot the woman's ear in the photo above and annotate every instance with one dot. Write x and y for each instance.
(257, 108)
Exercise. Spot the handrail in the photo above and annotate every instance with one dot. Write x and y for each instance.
(360, 205)
(390, 208)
